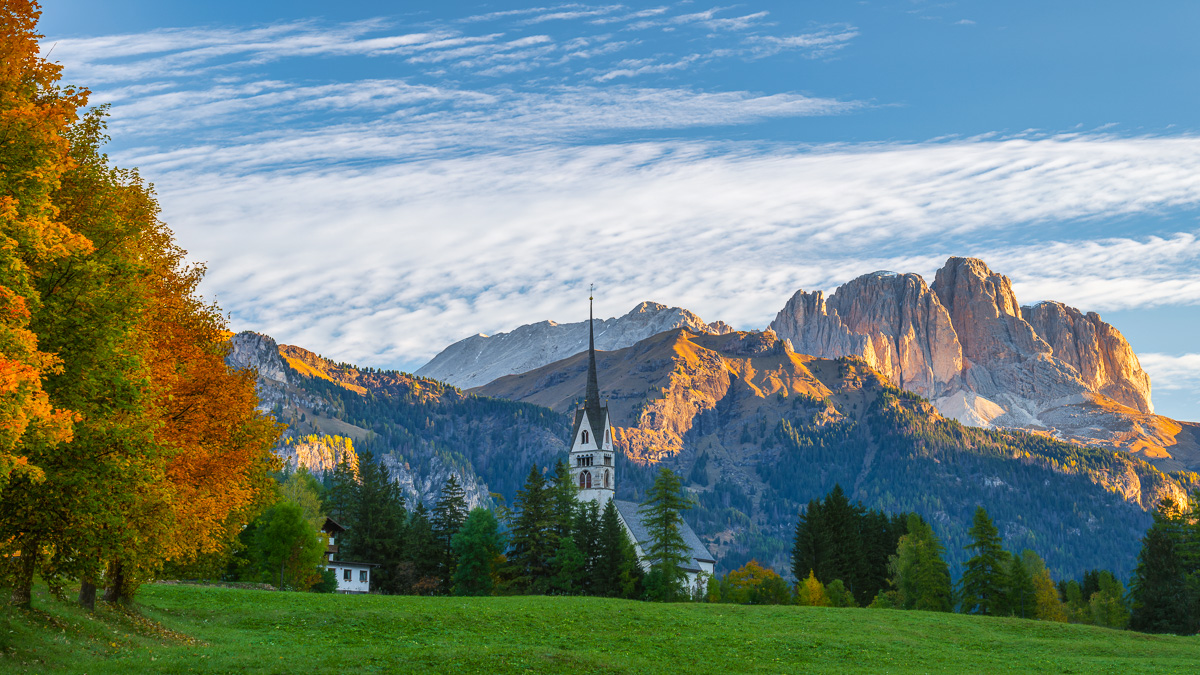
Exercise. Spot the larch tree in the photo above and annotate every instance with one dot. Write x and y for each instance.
(662, 515)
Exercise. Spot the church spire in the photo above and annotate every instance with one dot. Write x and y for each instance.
(592, 401)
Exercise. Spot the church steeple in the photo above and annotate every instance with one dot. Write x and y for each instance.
(592, 400)
(591, 458)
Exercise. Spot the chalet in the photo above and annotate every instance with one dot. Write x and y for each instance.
(352, 577)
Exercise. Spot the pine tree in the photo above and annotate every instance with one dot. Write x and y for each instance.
(532, 538)
(808, 546)
(985, 576)
(662, 514)
(568, 565)
(477, 546)
(617, 572)
(586, 532)
(1163, 599)
(375, 523)
(561, 496)
(1022, 593)
(449, 513)
(417, 570)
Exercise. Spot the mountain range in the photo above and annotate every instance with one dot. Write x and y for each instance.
(912, 397)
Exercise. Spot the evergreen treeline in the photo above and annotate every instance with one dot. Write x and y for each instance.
(549, 543)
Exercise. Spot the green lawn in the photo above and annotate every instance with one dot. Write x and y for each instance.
(179, 629)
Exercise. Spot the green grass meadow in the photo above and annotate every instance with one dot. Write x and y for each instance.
(194, 629)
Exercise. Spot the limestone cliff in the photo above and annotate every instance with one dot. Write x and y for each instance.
(480, 359)
(967, 344)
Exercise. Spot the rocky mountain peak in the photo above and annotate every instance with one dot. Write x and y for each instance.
(480, 359)
(967, 344)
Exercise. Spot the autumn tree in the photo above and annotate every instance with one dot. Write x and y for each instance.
(811, 592)
(36, 114)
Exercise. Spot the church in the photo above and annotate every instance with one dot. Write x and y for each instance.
(592, 461)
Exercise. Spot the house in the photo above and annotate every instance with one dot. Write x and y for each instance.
(591, 461)
(352, 577)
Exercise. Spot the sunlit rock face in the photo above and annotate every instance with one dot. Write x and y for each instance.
(967, 344)
(1098, 352)
(893, 321)
(480, 359)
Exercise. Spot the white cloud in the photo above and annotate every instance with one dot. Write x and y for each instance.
(1172, 372)
(386, 264)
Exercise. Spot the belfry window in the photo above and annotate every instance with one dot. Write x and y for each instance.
(608, 460)
(585, 480)
(585, 435)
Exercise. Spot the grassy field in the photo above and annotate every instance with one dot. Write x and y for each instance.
(182, 629)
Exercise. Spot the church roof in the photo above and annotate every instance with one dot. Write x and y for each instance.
(697, 552)
(597, 414)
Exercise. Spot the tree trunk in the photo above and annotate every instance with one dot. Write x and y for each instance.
(22, 593)
(87, 595)
(116, 584)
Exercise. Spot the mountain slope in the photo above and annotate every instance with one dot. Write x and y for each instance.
(422, 430)
(480, 359)
(758, 430)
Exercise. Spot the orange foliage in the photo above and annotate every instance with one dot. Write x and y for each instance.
(34, 112)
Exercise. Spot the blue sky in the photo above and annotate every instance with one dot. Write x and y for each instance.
(374, 180)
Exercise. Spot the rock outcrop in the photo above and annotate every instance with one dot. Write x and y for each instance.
(967, 344)
(480, 359)
(893, 321)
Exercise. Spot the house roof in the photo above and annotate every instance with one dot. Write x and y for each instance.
(697, 552)
(331, 526)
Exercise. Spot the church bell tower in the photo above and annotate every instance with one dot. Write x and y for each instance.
(592, 457)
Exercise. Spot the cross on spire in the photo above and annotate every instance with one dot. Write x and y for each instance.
(592, 401)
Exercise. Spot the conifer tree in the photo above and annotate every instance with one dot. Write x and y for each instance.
(375, 527)
(1164, 599)
(811, 592)
(449, 513)
(617, 572)
(416, 571)
(1022, 593)
(662, 514)
(477, 546)
(808, 545)
(532, 538)
(985, 576)
(561, 496)
(568, 565)
(586, 532)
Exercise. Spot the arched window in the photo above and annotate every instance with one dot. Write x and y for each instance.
(605, 479)
(585, 435)
(585, 480)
